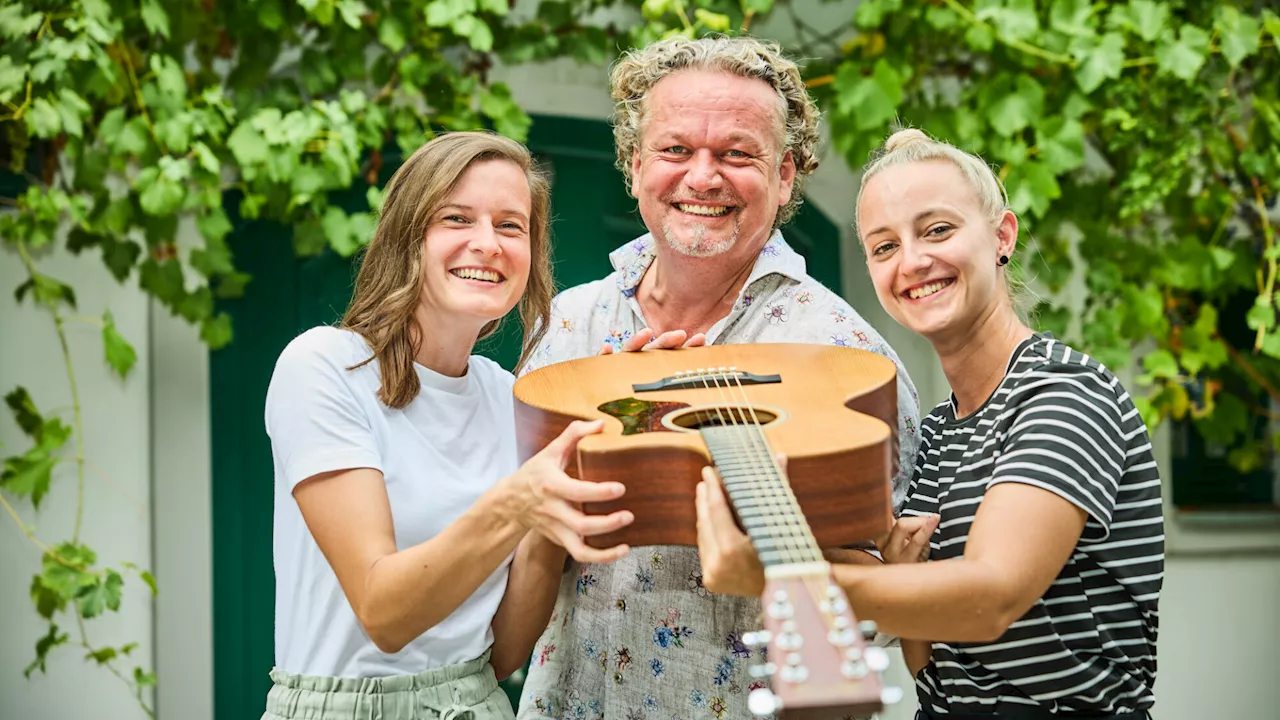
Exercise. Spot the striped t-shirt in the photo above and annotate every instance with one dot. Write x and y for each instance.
(1062, 422)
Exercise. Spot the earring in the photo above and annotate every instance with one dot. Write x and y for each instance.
(1004, 259)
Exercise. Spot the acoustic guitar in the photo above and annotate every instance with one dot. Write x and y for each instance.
(831, 411)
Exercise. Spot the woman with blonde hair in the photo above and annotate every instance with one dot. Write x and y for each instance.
(1034, 480)
(416, 561)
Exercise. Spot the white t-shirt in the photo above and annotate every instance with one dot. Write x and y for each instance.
(438, 454)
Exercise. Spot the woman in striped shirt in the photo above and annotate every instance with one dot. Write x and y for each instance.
(1035, 478)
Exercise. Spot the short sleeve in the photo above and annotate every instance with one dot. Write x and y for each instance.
(1064, 435)
(313, 418)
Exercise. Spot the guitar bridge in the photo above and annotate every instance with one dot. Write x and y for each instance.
(706, 378)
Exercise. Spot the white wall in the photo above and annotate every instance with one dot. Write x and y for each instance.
(116, 517)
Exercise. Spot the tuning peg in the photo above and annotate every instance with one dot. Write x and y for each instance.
(868, 628)
(891, 695)
(876, 657)
(762, 671)
(758, 638)
(762, 702)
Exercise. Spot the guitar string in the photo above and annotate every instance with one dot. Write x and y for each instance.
(796, 520)
(765, 488)
(736, 437)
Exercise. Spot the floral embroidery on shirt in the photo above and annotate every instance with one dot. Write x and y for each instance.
(697, 698)
(545, 653)
(776, 314)
(566, 325)
(585, 581)
(644, 579)
(841, 340)
(734, 643)
(695, 584)
(724, 671)
(718, 706)
(657, 667)
(668, 633)
(804, 298)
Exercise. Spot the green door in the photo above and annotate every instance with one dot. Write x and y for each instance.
(591, 215)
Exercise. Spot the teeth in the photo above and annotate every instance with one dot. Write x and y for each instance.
(927, 290)
(708, 210)
(475, 274)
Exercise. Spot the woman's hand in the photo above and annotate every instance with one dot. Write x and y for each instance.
(908, 540)
(730, 565)
(645, 340)
(541, 497)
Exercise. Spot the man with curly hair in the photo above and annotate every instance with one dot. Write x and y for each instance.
(715, 138)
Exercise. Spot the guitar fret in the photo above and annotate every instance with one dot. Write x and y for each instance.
(760, 495)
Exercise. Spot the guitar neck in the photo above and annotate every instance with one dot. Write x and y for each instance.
(761, 496)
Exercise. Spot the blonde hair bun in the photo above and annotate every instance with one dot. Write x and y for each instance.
(905, 138)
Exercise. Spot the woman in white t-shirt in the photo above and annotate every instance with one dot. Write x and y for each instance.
(416, 562)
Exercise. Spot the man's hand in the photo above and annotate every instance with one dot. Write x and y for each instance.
(729, 562)
(645, 340)
(908, 540)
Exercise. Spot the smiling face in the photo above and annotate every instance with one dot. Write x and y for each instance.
(476, 248)
(931, 252)
(707, 175)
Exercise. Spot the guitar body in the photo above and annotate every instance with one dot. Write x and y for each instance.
(832, 411)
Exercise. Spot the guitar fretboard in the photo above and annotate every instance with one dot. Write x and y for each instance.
(761, 496)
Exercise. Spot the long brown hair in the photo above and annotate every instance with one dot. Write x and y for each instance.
(389, 284)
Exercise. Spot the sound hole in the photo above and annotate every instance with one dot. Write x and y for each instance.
(693, 419)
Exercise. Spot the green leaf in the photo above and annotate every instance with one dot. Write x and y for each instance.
(150, 580)
(1100, 62)
(1262, 314)
(391, 33)
(175, 133)
(508, 118)
(871, 13)
(1271, 23)
(374, 197)
(1271, 344)
(28, 477)
(143, 679)
(134, 139)
(1149, 18)
(351, 11)
(497, 7)
(475, 30)
(51, 640)
(1184, 58)
(1013, 19)
(102, 656)
(155, 18)
(12, 79)
(103, 595)
(120, 256)
(871, 100)
(15, 23)
(43, 119)
(214, 226)
(980, 37)
(1160, 364)
(715, 22)
(441, 13)
(247, 144)
(159, 194)
(163, 280)
(24, 412)
(170, 79)
(1018, 103)
(216, 331)
(1222, 258)
(1071, 17)
(46, 290)
(46, 600)
(1061, 144)
(1032, 186)
(1240, 34)
(206, 158)
(120, 354)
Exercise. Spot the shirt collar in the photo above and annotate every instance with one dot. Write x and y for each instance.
(633, 259)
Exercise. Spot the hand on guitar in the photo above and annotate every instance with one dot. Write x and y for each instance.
(645, 340)
(908, 540)
(541, 497)
(730, 565)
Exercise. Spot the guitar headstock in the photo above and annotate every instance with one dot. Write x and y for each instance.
(819, 656)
